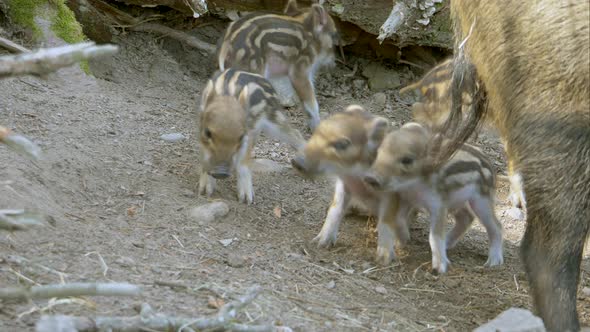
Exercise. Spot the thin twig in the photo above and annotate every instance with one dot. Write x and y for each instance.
(421, 290)
(103, 264)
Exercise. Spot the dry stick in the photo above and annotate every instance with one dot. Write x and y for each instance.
(148, 320)
(12, 46)
(68, 290)
(18, 220)
(44, 61)
(19, 143)
(178, 35)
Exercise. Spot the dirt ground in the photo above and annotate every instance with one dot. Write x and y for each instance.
(116, 191)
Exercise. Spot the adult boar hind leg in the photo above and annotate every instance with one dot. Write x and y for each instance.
(552, 249)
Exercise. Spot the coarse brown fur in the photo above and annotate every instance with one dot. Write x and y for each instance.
(532, 58)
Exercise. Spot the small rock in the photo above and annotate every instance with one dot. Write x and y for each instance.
(138, 244)
(173, 137)
(226, 242)
(381, 78)
(207, 213)
(188, 193)
(515, 213)
(125, 261)
(513, 320)
(380, 290)
(331, 284)
(380, 99)
(235, 260)
(586, 291)
(359, 84)
(452, 283)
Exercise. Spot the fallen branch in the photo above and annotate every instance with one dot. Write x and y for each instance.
(125, 20)
(178, 35)
(396, 18)
(44, 61)
(18, 220)
(147, 320)
(68, 290)
(12, 46)
(19, 143)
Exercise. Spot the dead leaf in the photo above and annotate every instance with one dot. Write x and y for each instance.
(132, 211)
(215, 303)
(277, 211)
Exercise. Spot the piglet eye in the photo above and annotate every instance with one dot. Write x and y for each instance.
(208, 134)
(341, 144)
(407, 161)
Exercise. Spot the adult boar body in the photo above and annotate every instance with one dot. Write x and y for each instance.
(532, 59)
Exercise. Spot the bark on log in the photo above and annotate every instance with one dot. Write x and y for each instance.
(421, 23)
(425, 23)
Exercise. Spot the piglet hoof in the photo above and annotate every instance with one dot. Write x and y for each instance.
(441, 267)
(384, 256)
(494, 260)
(246, 196)
(206, 187)
(325, 240)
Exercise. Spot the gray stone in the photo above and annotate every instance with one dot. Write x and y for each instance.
(380, 99)
(380, 290)
(125, 261)
(381, 78)
(513, 320)
(331, 284)
(207, 213)
(235, 260)
(173, 137)
(359, 84)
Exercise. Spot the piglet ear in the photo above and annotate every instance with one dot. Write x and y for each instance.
(207, 94)
(320, 17)
(291, 9)
(377, 130)
(354, 108)
(244, 96)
